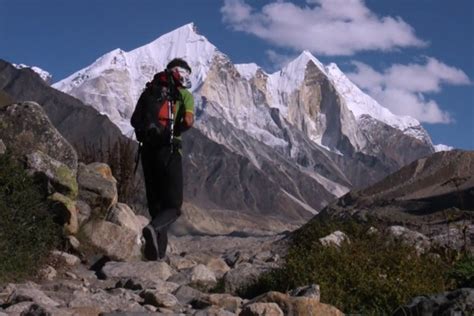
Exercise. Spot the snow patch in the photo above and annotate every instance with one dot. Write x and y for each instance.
(442, 147)
(247, 71)
(46, 76)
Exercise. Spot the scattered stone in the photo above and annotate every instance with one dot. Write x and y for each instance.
(243, 275)
(218, 266)
(116, 242)
(454, 238)
(311, 291)
(261, 309)
(65, 258)
(187, 295)
(47, 273)
(136, 284)
(158, 299)
(30, 292)
(150, 270)
(19, 308)
(180, 263)
(65, 211)
(265, 256)
(73, 242)
(296, 305)
(71, 275)
(201, 276)
(457, 302)
(235, 258)
(334, 239)
(97, 187)
(54, 174)
(213, 311)
(124, 300)
(372, 231)
(410, 237)
(226, 301)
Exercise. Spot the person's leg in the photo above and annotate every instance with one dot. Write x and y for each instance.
(151, 170)
(171, 202)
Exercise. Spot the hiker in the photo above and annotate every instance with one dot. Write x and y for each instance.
(163, 112)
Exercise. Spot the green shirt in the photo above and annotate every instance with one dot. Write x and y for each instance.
(187, 100)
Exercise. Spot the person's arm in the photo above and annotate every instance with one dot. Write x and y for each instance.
(188, 102)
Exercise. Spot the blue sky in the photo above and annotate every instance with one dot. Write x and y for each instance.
(416, 57)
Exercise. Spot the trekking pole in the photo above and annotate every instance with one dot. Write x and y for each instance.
(170, 110)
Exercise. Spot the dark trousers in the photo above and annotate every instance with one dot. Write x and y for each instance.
(163, 173)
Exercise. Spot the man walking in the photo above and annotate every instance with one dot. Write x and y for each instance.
(163, 112)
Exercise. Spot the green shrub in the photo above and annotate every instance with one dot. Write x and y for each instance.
(462, 272)
(370, 275)
(27, 230)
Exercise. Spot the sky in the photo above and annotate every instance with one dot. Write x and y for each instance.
(416, 57)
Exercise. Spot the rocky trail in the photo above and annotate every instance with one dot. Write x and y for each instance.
(202, 276)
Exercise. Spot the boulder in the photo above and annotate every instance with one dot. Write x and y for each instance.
(334, 239)
(411, 237)
(457, 238)
(122, 215)
(150, 270)
(218, 266)
(202, 277)
(158, 299)
(297, 306)
(55, 175)
(261, 309)
(97, 187)
(25, 128)
(84, 212)
(116, 242)
(29, 292)
(186, 294)
(65, 212)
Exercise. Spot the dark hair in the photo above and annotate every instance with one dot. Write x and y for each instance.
(178, 62)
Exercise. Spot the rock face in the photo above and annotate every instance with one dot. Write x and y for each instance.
(25, 128)
(429, 195)
(77, 122)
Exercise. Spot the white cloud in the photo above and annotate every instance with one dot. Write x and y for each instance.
(403, 88)
(326, 27)
(279, 60)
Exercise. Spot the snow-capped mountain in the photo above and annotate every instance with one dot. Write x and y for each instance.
(306, 128)
(46, 76)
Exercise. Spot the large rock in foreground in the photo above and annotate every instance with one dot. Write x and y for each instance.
(25, 128)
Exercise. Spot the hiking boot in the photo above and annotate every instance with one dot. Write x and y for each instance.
(151, 244)
(162, 242)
